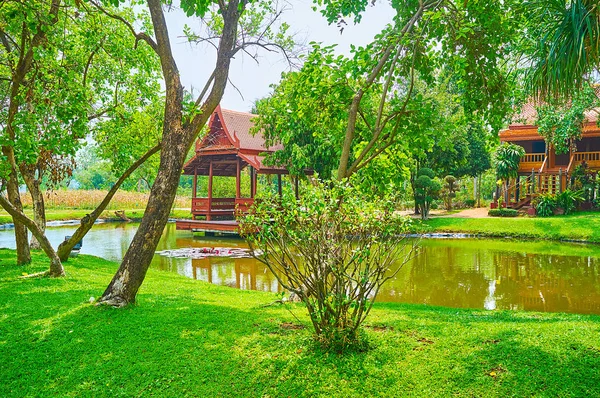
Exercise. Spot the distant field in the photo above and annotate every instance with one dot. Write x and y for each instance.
(71, 205)
(81, 199)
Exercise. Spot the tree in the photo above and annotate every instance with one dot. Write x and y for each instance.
(349, 111)
(561, 123)
(334, 254)
(449, 191)
(566, 45)
(507, 158)
(427, 189)
(27, 25)
(51, 103)
(183, 120)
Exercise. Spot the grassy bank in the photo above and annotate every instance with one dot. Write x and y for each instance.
(188, 338)
(579, 226)
(77, 214)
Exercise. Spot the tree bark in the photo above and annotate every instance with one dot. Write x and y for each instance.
(37, 197)
(87, 222)
(56, 268)
(12, 190)
(177, 140)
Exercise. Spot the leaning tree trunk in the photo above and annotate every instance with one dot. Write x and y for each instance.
(177, 141)
(124, 286)
(12, 190)
(37, 198)
(87, 222)
(56, 268)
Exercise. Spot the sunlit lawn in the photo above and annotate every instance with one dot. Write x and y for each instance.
(189, 338)
(578, 226)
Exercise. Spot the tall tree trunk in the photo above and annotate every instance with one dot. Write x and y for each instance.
(124, 286)
(12, 190)
(87, 222)
(56, 268)
(177, 140)
(37, 197)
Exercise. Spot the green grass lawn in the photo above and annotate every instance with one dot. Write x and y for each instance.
(76, 214)
(578, 226)
(189, 338)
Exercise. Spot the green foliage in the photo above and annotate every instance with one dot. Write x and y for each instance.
(566, 45)
(447, 75)
(333, 250)
(427, 189)
(568, 200)
(507, 158)
(449, 191)
(88, 67)
(561, 123)
(545, 205)
(586, 180)
(502, 212)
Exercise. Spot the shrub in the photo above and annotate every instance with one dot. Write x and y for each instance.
(568, 200)
(333, 250)
(470, 202)
(545, 205)
(503, 213)
(426, 190)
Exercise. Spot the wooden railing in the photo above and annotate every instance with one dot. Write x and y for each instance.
(531, 161)
(589, 157)
(220, 206)
(533, 158)
(242, 205)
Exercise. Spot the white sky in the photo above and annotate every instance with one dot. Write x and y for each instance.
(196, 62)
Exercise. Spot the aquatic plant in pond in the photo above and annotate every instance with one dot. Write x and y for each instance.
(334, 251)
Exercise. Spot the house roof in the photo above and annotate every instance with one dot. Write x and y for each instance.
(237, 127)
(528, 115)
(523, 126)
(230, 136)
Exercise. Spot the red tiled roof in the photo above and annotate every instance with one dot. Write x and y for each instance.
(528, 115)
(238, 126)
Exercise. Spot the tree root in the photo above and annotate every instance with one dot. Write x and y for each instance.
(115, 302)
(36, 275)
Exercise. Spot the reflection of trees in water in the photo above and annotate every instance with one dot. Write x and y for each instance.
(466, 276)
(548, 282)
(446, 276)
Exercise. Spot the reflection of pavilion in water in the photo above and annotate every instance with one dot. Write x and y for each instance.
(246, 273)
(548, 282)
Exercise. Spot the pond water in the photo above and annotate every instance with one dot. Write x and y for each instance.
(465, 273)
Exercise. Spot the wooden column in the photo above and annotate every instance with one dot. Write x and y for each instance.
(518, 189)
(253, 181)
(210, 186)
(195, 183)
(296, 189)
(279, 190)
(237, 180)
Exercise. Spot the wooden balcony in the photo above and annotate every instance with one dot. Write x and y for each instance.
(531, 161)
(591, 158)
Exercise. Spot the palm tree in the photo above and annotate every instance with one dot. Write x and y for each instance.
(566, 49)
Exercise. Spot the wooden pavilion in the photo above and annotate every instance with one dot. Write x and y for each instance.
(226, 150)
(541, 169)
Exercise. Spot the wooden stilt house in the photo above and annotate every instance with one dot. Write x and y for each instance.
(541, 169)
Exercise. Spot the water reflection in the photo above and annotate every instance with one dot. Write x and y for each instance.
(490, 274)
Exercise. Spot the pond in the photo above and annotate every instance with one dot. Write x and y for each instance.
(462, 273)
